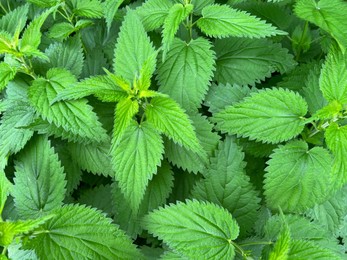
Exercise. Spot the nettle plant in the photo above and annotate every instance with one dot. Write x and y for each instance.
(164, 129)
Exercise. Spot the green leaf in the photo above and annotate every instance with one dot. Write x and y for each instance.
(336, 140)
(166, 115)
(61, 31)
(13, 136)
(31, 38)
(301, 249)
(282, 246)
(153, 13)
(220, 96)
(103, 87)
(68, 55)
(7, 73)
(221, 21)
(126, 109)
(77, 232)
(39, 180)
(44, 3)
(297, 177)
(15, 252)
(92, 158)
(15, 20)
(333, 79)
(205, 229)
(110, 9)
(186, 72)
(270, 115)
(328, 15)
(87, 8)
(184, 158)
(135, 160)
(133, 48)
(248, 61)
(5, 188)
(76, 116)
(199, 5)
(237, 195)
(98, 197)
(176, 16)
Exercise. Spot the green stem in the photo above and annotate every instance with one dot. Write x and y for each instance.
(301, 40)
(257, 243)
(238, 249)
(3, 8)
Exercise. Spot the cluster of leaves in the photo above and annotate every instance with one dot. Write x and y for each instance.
(173, 129)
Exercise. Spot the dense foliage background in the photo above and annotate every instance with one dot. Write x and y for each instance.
(173, 129)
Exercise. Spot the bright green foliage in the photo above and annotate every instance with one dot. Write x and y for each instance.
(183, 157)
(221, 21)
(247, 61)
(177, 14)
(133, 49)
(153, 13)
(135, 160)
(199, 5)
(271, 115)
(14, 20)
(165, 114)
(238, 196)
(328, 15)
(282, 246)
(182, 61)
(336, 138)
(44, 3)
(301, 249)
(297, 177)
(87, 8)
(7, 73)
(39, 181)
(110, 9)
(205, 229)
(333, 79)
(78, 232)
(75, 116)
(5, 187)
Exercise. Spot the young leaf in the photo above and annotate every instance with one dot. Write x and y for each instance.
(246, 61)
(336, 139)
(221, 21)
(133, 49)
(282, 246)
(270, 115)
(78, 232)
(237, 195)
(5, 188)
(184, 158)
(44, 3)
(135, 160)
(166, 115)
(153, 13)
(333, 79)
(297, 177)
(328, 15)
(176, 16)
(103, 87)
(110, 9)
(7, 73)
(205, 229)
(14, 20)
(39, 182)
(186, 72)
(87, 8)
(73, 116)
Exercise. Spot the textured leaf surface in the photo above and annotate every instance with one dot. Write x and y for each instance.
(110, 9)
(7, 73)
(336, 139)
(39, 181)
(297, 177)
(153, 13)
(328, 15)
(270, 115)
(282, 246)
(135, 160)
(5, 187)
(205, 230)
(98, 197)
(223, 21)
(183, 157)
(301, 249)
(133, 48)
(227, 185)
(14, 20)
(73, 116)
(166, 115)
(186, 72)
(77, 232)
(333, 79)
(247, 61)
(87, 8)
